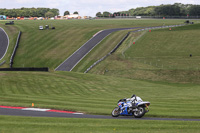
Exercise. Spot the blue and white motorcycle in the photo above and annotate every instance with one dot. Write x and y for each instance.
(133, 106)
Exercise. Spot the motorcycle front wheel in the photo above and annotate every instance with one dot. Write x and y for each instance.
(116, 112)
(139, 113)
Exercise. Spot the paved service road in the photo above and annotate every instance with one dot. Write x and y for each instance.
(77, 56)
(19, 112)
(4, 42)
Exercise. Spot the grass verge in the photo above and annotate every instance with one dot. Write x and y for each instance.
(100, 50)
(96, 94)
(160, 55)
(12, 34)
(51, 125)
(49, 48)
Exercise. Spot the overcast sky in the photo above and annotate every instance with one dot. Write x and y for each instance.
(89, 7)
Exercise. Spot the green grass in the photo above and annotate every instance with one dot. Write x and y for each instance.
(12, 33)
(49, 48)
(94, 94)
(53, 125)
(160, 55)
(100, 50)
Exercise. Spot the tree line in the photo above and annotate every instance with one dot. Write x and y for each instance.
(68, 13)
(30, 12)
(177, 9)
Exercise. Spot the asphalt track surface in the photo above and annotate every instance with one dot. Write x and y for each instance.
(78, 55)
(27, 113)
(4, 42)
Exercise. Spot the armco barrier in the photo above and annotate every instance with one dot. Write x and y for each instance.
(15, 50)
(120, 43)
(44, 69)
(112, 51)
(157, 27)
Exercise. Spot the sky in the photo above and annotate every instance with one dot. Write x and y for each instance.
(89, 7)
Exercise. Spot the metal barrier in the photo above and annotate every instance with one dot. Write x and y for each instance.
(112, 51)
(44, 69)
(15, 50)
(157, 27)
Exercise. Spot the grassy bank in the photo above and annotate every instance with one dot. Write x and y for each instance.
(96, 94)
(160, 55)
(49, 48)
(100, 50)
(12, 33)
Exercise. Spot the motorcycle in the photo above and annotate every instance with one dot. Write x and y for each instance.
(133, 106)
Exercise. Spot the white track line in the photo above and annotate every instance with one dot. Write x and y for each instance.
(78, 113)
(8, 43)
(88, 52)
(77, 50)
(36, 109)
(96, 45)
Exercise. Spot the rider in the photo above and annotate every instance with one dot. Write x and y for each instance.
(133, 100)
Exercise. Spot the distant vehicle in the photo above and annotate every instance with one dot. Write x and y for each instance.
(2, 17)
(47, 26)
(40, 18)
(41, 28)
(10, 23)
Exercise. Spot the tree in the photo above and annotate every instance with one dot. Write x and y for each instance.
(27, 12)
(42, 11)
(11, 13)
(75, 12)
(66, 13)
(54, 11)
(99, 14)
(49, 14)
(33, 12)
(194, 10)
(106, 14)
(116, 14)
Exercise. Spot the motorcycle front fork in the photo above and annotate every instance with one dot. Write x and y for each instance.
(147, 108)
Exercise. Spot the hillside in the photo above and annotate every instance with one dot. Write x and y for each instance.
(49, 48)
(141, 69)
(95, 94)
(160, 55)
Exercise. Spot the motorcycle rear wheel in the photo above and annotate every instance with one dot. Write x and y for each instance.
(140, 113)
(116, 112)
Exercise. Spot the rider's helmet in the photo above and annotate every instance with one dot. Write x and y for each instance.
(136, 98)
(133, 96)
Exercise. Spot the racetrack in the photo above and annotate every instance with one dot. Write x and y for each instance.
(78, 55)
(4, 43)
(30, 112)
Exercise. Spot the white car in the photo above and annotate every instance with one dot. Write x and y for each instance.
(41, 28)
